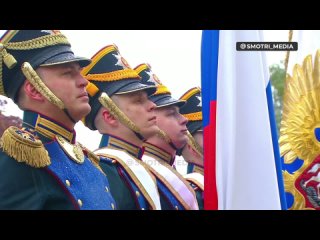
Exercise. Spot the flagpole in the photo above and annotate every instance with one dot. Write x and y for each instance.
(286, 60)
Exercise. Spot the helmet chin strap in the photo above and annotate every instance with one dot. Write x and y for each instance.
(166, 138)
(69, 116)
(173, 146)
(179, 151)
(139, 136)
(194, 144)
(107, 102)
(36, 81)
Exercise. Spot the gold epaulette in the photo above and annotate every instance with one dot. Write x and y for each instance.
(24, 147)
(94, 159)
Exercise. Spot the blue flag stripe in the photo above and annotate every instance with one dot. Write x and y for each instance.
(209, 68)
(276, 151)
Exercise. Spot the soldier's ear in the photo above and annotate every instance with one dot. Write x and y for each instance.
(109, 118)
(32, 92)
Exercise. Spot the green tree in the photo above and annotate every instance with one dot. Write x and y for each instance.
(277, 76)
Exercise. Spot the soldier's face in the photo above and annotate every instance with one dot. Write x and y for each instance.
(66, 82)
(140, 110)
(173, 124)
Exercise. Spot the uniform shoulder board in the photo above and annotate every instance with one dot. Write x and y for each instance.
(23, 146)
(94, 159)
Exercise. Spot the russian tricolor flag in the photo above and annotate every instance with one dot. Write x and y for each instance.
(241, 152)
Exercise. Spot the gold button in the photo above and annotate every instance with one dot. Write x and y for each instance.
(68, 183)
(112, 205)
(176, 207)
(80, 202)
(114, 161)
(142, 209)
(107, 189)
(137, 193)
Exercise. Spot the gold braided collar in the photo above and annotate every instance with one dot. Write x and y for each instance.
(121, 144)
(50, 129)
(158, 153)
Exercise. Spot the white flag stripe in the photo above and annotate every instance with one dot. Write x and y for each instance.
(246, 173)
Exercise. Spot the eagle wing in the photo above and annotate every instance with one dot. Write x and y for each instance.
(301, 112)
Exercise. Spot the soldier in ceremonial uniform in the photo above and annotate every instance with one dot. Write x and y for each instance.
(122, 112)
(41, 164)
(160, 150)
(192, 152)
